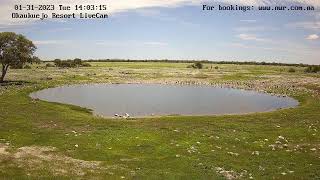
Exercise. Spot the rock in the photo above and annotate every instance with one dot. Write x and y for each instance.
(255, 153)
(233, 154)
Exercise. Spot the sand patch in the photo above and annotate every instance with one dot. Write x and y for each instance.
(37, 159)
(231, 174)
(3, 150)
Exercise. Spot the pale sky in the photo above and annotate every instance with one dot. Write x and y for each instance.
(175, 29)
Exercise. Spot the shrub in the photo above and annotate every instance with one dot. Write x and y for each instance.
(216, 67)
(27, 67)
(86, 65)
(312, 69)
(57, 62)
(197, 65)
(291, 70)
(77, 61)
(70, 63)
(67, 64)
(17, 66)
(49, 65)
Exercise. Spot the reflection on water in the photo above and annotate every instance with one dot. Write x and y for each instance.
(154, 99)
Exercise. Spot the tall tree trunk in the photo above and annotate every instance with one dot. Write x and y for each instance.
(4, 72)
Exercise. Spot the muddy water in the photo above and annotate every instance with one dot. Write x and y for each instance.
(154, 99)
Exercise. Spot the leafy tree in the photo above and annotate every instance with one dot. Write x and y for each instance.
(15, 50)
(70, 63)
(36, 60)
(57, 62)
(77, 61)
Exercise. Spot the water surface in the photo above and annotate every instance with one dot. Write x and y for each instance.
(154, 99)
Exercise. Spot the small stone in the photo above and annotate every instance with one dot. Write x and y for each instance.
(255, 153)
(233, 154)
(76, 145)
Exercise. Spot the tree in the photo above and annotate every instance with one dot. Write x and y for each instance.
(78, 61)
(57, 62)
(15, 50)
(36, 60)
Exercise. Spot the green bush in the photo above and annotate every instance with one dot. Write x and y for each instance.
(27, 67)
(49, 65)
(67, 64)
(77, 61)
(197, 65)
(70, 63)
(86, 65)
(292, 70)
(17, 66)
(57, 62)
(312, 69)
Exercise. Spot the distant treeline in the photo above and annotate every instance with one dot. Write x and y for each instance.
(79, 62)
(202, 61)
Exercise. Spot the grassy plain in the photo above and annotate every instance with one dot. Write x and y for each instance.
(55, 141)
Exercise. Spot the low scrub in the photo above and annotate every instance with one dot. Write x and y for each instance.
(50, 65)
(312, 69)
(292, 70)
(196, 65)
(70, 63)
